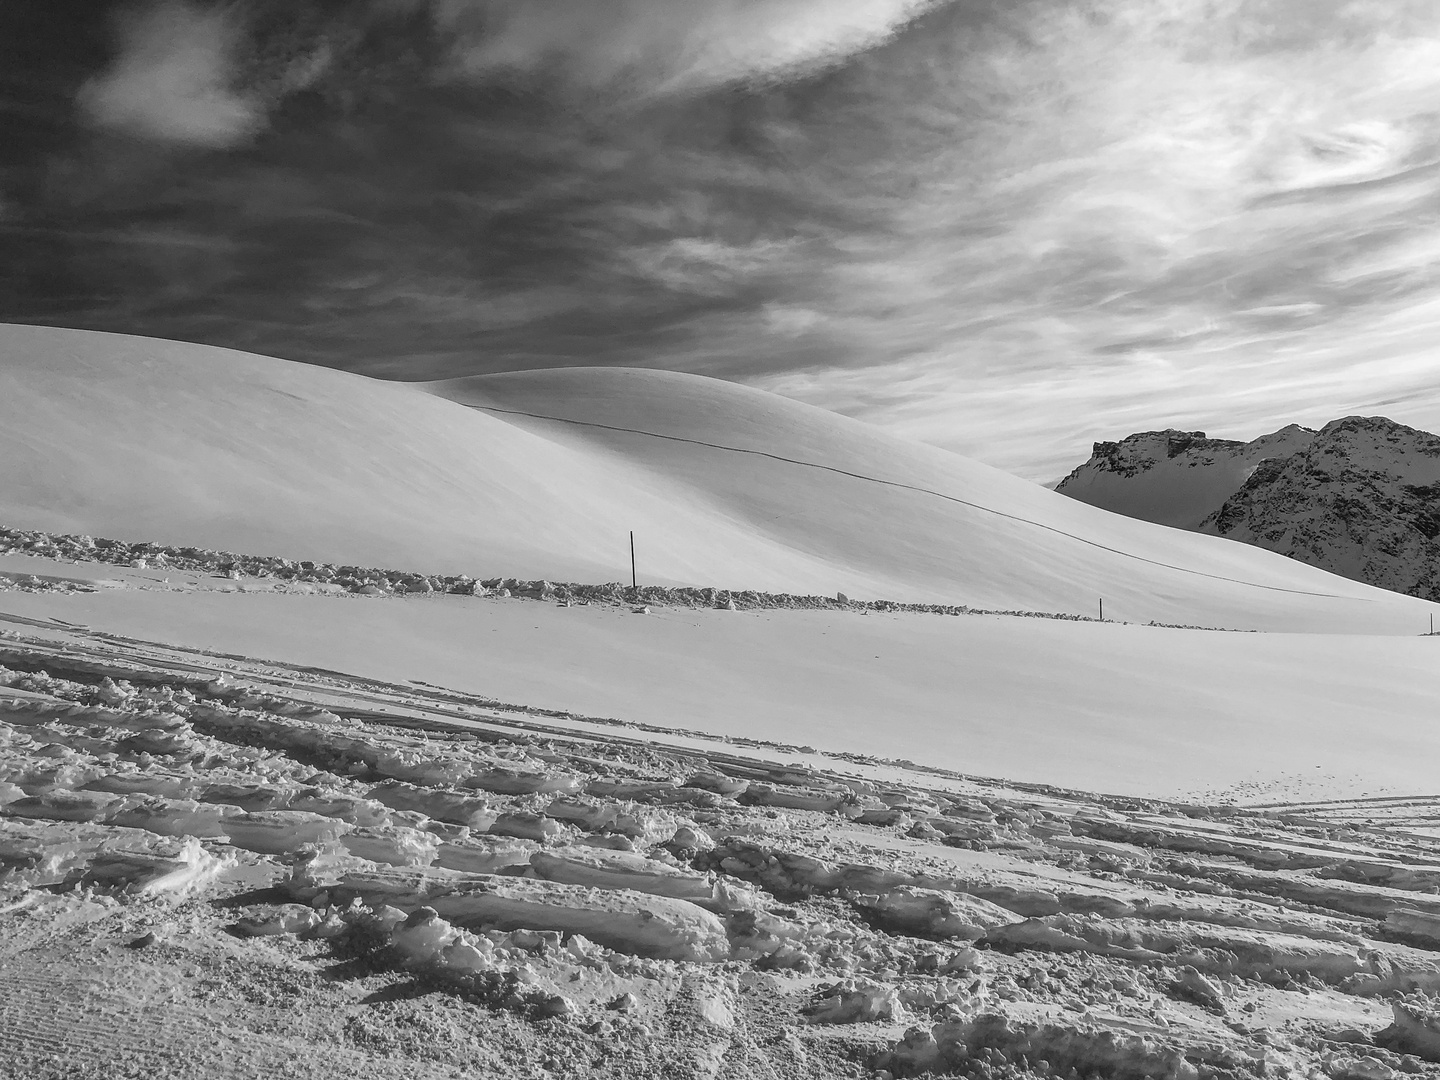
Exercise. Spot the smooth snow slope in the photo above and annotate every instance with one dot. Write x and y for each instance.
(139, 438)
(934, 523)
(145, 439)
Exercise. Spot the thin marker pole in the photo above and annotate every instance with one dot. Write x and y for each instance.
(634, 582)
(1102, 610)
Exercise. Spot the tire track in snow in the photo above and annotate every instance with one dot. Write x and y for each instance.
(916, 488)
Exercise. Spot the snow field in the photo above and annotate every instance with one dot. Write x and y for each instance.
(628, 894)
(1101, 707)
(143, 439)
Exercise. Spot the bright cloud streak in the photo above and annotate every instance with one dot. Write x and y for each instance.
(1150, 213)
(663, 46)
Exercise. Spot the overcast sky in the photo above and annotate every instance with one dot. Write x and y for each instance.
(1005, 227)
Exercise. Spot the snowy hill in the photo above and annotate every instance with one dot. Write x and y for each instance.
(1361, 497)
(146, 439)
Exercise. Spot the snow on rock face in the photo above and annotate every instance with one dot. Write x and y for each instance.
(485, 854)
(1417, 924)
(287, 919)
(1363, 500)
(1359, 498)
(790, 874)
(1174, 477)
(1227, 950)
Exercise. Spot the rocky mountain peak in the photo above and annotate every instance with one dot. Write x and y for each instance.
(1380, 432)
(1360, 497)
(1173, 477)
(1138, 452)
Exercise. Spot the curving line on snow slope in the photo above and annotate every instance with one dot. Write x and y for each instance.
(917, 488)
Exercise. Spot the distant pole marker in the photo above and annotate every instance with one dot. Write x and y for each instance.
(634, 582)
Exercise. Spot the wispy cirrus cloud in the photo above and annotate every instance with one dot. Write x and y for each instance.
(1169, 214)
(1005, 227)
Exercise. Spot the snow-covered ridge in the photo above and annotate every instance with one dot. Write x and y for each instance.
(545, 474)
(1360, 497)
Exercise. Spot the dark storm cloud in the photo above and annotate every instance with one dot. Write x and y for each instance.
(1005, 227)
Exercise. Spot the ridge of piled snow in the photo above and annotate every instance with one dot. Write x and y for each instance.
(248, 572)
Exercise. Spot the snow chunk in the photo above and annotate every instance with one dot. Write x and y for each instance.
(448, 806)
(63, 805)
(395, 845)
(485, 854)
(288, 919)
(276, 832)
(624, 920)
(854, 1002)
(172, 817)
(932, 913)
(146, 874)
(624, 870)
